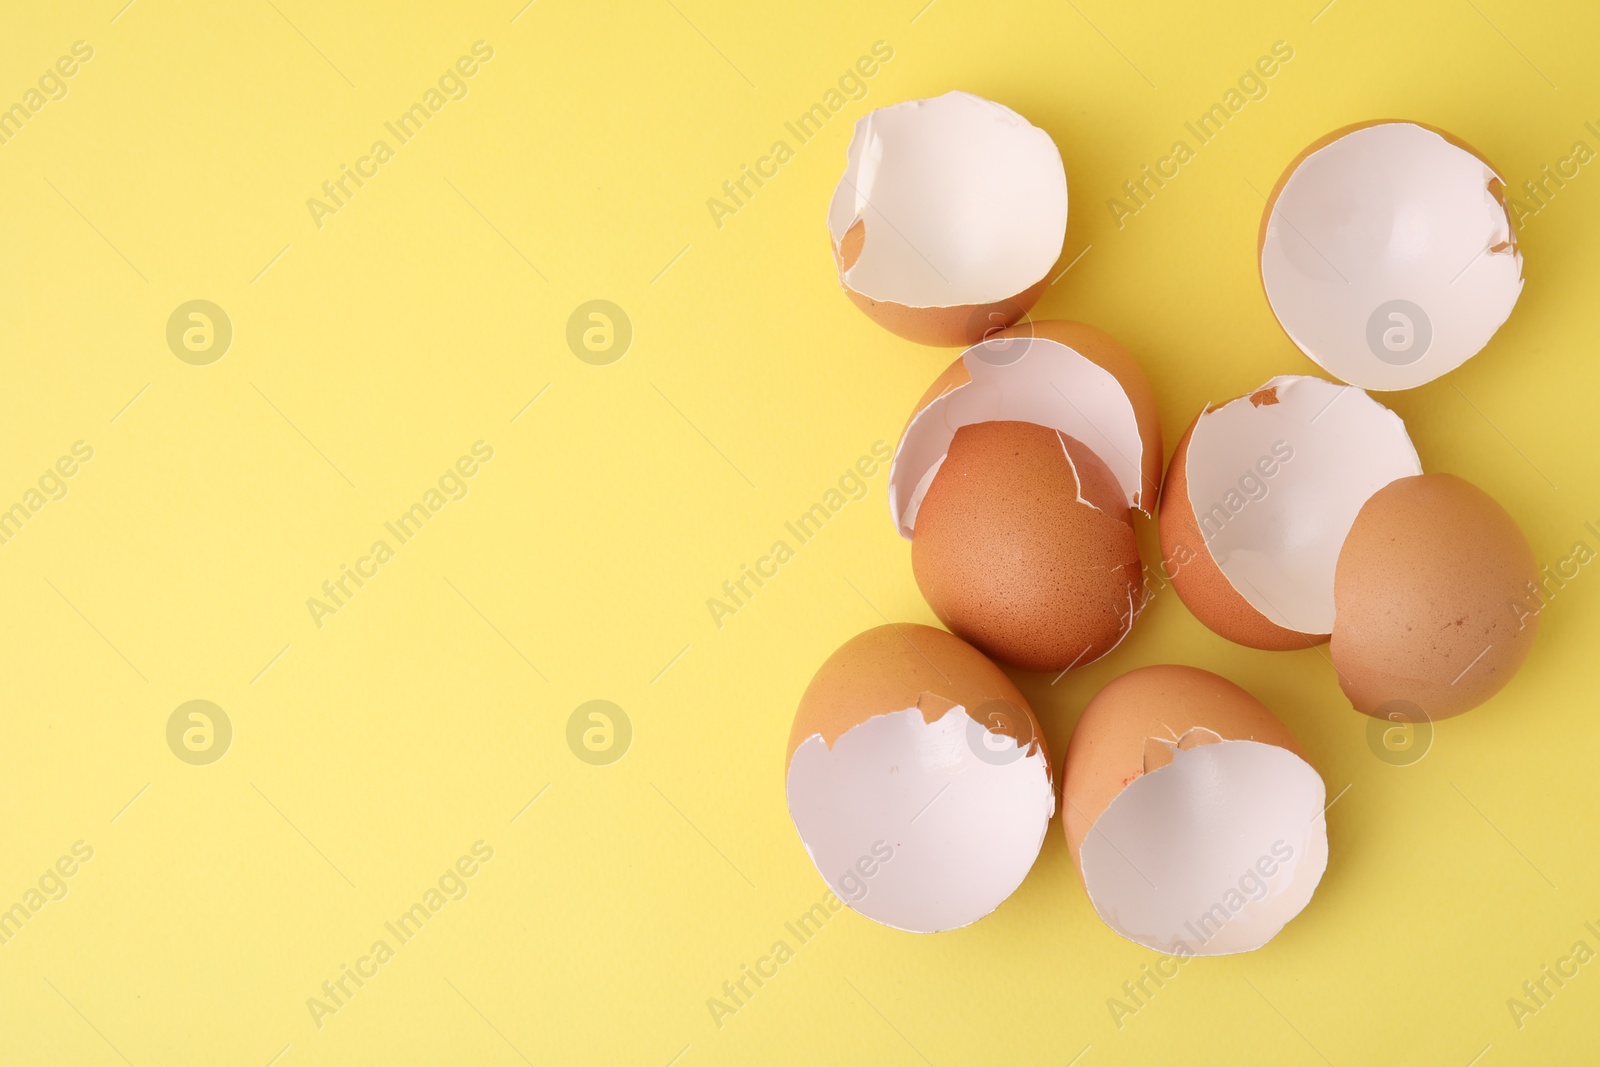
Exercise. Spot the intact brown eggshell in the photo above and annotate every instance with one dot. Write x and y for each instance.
(1192, 814)
(949, 217)
(1024, 547)
(1428, 590)
(918, 779)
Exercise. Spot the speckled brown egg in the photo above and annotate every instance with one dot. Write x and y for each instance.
(1426, 592)
(1024, 546)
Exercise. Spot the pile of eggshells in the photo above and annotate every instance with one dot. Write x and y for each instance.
(916, 770)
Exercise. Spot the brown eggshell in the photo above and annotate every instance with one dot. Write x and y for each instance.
(1009, 557)
(1111, 745)
(1425, 592)
(904, 665)
(1200, 583)
(1099, 348)
(946, 327)
(1103, 350)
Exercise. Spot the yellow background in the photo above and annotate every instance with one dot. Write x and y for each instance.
(369, 353)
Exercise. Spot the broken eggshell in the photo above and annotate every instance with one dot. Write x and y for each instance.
(1192, 814)
(1438, 601)
(1014, 480)
(918, 779)
(950, 213)
(1259, 496)
(1025, 548)
(1387, 254)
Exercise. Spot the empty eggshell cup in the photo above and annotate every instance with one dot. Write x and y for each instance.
(1387, 254)
(950, 213)
(1259, 497)
(1192, 814)
(918, 779)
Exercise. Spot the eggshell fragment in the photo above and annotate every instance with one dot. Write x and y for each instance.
(1433, 591)
(1388, 255)
(1194, 819)
(948, 218)
(1024, 547)
(1259, 496)
(1065, 375)
(914, 758)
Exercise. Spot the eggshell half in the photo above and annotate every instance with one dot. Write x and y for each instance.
(1259, 496)
(914, 758)
(1388, 255)
(950, 213)
(1024, 547)
(1433, 592)
(1192, 814)
(1064, 375)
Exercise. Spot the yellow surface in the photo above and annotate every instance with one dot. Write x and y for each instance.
(371, 753)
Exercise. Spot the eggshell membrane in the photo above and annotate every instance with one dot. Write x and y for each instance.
(1383, 211)
(1176, 784)
(1426, 588)
(909, 741)
(1065, 375)
(1024, 547)
(948, 218)
(1197, 579)
(1260, 571)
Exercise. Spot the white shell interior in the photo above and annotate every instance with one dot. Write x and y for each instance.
(1020, 379)
(1387, 259)
(963, 200)
(1211, 854)
(963, 829)
(1276, 538)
